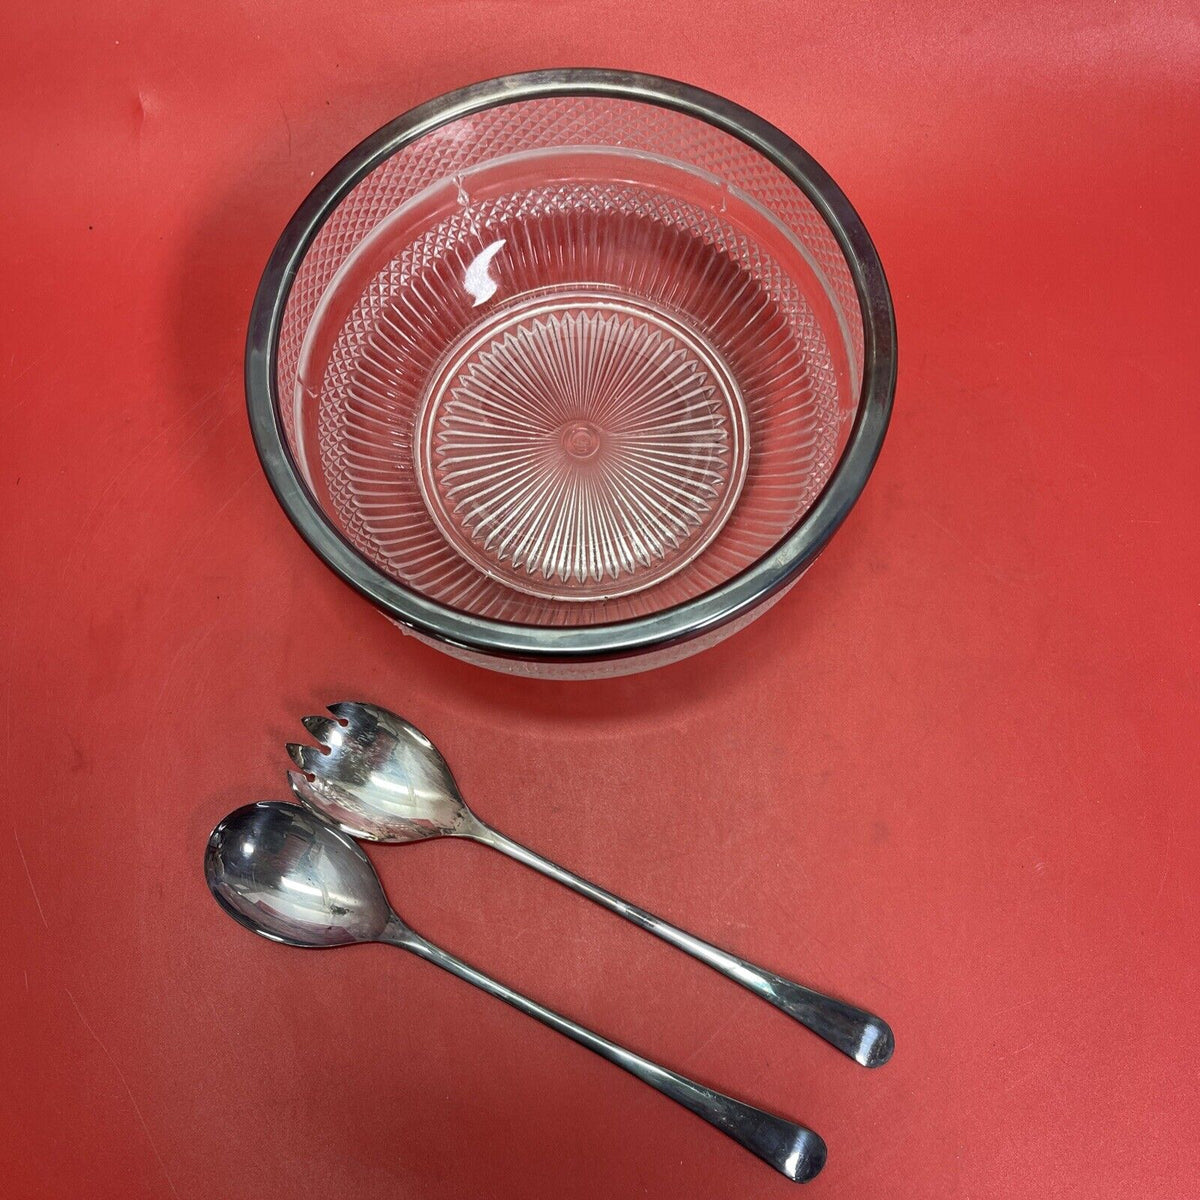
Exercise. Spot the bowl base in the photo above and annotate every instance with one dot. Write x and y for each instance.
(581, 444)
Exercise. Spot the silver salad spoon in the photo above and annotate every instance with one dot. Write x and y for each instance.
(291, 876)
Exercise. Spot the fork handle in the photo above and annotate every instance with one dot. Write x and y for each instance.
(863, 1036)
(793, 1150)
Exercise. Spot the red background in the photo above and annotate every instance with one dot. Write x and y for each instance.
(953, 776)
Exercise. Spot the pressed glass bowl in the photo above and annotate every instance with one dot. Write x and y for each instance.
(572, 372)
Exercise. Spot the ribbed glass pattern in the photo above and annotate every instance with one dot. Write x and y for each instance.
(565, 362)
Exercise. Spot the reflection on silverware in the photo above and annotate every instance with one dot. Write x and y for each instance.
(289, 875)
(379, 778)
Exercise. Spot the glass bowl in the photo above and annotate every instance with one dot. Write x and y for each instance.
(572, 373)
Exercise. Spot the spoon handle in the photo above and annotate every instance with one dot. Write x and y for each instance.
(865, 1037)
(791, 1149)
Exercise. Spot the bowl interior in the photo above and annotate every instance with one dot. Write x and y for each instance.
(570, 360)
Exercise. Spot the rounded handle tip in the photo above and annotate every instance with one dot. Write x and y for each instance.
(807, 1157)
(876, 1044)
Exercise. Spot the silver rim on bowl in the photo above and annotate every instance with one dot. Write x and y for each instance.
(584, 643)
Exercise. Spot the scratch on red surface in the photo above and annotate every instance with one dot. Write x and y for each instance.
(1008, 1008)
(29, 876)
(971, 556)
(717, 1028)
(141, 108)
(8, 712)
(128, 473)
(1165, 871)
(25, 370)
(128, 1091)
(288, 124)
(251, 475)
(190, 644)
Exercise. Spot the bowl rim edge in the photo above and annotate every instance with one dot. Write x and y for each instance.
(656, 631)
